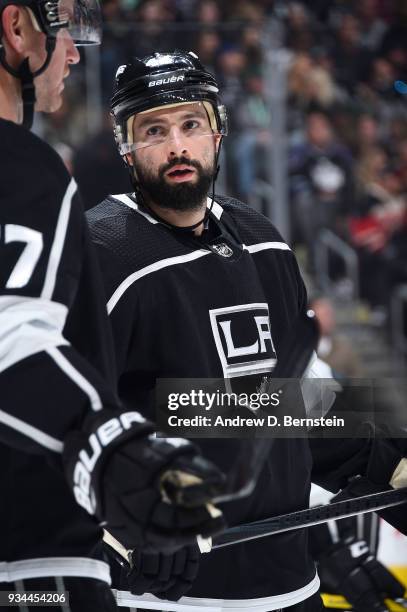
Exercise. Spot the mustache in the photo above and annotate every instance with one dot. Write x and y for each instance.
(177, 161)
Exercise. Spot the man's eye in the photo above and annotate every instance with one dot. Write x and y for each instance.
(192, 124)
(154, 130)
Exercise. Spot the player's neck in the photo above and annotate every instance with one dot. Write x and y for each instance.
(10, 98)
(184, 218)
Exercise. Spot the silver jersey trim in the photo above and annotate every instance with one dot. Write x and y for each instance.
(80, 567)
(187, 604)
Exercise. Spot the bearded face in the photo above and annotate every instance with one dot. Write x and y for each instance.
(174, 156)
(181, 184)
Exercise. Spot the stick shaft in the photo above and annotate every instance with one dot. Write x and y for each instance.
(312, 516)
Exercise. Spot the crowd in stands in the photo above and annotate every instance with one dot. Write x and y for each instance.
(346, 120)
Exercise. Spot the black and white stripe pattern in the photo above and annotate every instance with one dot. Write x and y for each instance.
(59, 241)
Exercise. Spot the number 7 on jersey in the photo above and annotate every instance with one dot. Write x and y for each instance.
(26, 262)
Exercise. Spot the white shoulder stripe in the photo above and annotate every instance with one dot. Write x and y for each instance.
(216, 208)
(171, 261)
(31, 432)
(124, 199)
(78, 378)
(59, 242)
(263, 246)
(159, 265)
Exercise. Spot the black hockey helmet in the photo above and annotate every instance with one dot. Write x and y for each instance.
(79, 19)
(163, 79)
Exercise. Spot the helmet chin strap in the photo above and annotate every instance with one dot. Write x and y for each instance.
(26, 77)
(177, 228)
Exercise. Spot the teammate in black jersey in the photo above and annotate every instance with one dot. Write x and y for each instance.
(71, 455)
(202, 286)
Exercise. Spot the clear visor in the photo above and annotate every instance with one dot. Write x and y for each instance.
(79, 20)
(151, 128)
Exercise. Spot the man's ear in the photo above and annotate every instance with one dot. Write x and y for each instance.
(15, 21)
(131, 161)
(218, 140)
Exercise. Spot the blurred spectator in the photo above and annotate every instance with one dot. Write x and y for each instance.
(351, 59)
(334, 348)
(253, 141)
(245, 11)
(370, 165)
(368, 131)
(372, 27)
(299, 32)
(382, 77)
(231, 65)
(378, 227)
(321, 179)
(115, 50)
(186, 9)
(397, 56)
(310, 84)
(367, 134)
(379, 95)
(152, 32)
(208, 12)
(207, 48)
(251, 45)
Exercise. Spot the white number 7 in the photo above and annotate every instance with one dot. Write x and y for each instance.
(28, 259)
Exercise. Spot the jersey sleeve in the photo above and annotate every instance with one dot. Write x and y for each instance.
(375, 455)
(46, 387)
(123, 314)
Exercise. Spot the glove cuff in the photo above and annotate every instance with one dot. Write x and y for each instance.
(384, 458)
(87, 452)
(399, 477)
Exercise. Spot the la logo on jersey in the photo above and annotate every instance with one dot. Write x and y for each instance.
(243, 339)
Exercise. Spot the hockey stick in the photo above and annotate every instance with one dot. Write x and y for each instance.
(118, 551)
(287, 522)
(310, 517)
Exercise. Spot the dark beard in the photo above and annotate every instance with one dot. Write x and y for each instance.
(181, 196)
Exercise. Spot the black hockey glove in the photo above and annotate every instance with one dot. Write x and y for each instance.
(167, 576)
(152, 494)
(349, 569)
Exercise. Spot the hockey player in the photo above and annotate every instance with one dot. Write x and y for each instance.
(201, 286)
(56, 409)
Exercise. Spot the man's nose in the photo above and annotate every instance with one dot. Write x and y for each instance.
(72, 53)
(176, 143)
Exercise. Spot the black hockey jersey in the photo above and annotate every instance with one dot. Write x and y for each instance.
(218, 306)
(50, 291)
